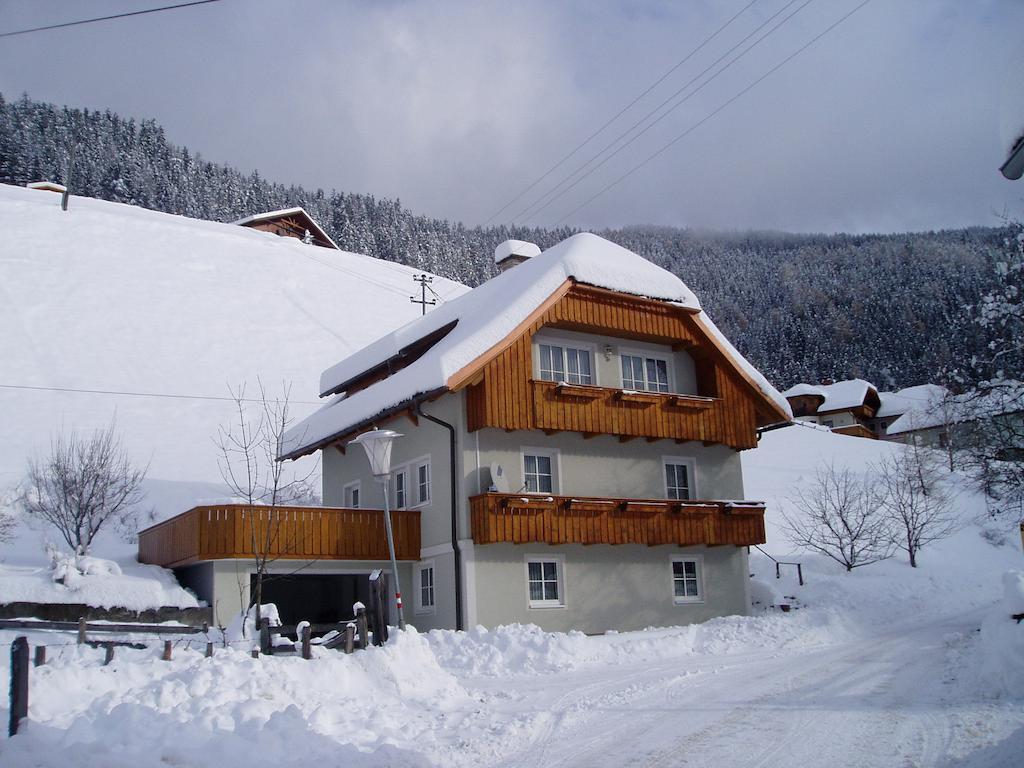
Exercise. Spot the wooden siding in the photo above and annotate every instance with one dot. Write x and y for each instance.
(290, 533)
(507, 397)
(855, 430)
(515, 519)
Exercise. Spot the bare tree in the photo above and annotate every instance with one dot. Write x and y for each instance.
(839, 517)
(910, 491)
(83, 485)
(248, 463)
(8, 522)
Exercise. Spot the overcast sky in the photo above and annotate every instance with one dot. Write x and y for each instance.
(895, 120)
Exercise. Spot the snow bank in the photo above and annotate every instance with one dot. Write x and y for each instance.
(1002, 640)
(526, 649)
(115, 585)
(376, 707)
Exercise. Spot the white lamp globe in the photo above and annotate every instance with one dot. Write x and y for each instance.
(377, 444)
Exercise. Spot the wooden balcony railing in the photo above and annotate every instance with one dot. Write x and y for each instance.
(295, 533)
(523, 519)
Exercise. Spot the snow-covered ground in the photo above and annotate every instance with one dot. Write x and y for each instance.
(884, 666)
(117, 298)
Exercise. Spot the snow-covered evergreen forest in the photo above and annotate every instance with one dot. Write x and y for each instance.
(895, 309)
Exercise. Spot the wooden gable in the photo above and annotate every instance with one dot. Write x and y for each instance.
(293, 223)
(502, 391)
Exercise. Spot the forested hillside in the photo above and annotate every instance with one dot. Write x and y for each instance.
(891, 308)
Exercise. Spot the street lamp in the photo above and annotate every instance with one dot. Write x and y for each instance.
(377, 445)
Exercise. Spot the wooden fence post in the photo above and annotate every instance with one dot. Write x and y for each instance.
(255, 653)
(209, 650)
(110, 655)
(379, 607)
(364, 629)
(265, 644)
(81, 631)
(307, 651)
(19, 684)
(350, 637)
(167, 650)
(40, 658)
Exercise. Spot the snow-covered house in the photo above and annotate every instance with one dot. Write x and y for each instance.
(570, 450)
(847, 407)
(290, 222)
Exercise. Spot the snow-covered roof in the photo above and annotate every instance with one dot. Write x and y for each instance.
(284, 213)
(515, 248)
(942, 409)
(839, 396)
(484, 317)
(909, 398)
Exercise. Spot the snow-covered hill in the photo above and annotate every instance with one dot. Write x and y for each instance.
(113, 297)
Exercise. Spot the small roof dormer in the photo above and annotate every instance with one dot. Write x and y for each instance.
(512, 252)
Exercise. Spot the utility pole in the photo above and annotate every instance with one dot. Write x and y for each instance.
(423, 280)
(66, 195)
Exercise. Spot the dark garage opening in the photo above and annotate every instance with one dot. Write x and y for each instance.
(318, 599)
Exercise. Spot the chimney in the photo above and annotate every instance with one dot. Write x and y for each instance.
(512, 252)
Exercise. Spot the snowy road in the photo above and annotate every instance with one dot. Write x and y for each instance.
(894, 701)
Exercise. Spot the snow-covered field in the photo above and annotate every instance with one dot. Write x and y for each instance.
(884, 666)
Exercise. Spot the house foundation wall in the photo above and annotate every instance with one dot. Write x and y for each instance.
(623, 587)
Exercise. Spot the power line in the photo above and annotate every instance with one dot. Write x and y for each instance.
(144, 394)
(548, 197)
(622, 111)
(707, 117)
(107, 18)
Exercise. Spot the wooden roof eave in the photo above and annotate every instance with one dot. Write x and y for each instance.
(387, 413)
(468, 373)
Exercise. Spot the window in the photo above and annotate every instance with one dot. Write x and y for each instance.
(401, 489)
(350, 493)
(645, 373)
(562, 363)
(425, 588)
(686, 580)
(423, 482)
(678, 479)
(544, 582)
(537, 473)
(828, 423)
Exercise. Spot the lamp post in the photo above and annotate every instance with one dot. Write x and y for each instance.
(377, 445)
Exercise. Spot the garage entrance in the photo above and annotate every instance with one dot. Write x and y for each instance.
(318, 599)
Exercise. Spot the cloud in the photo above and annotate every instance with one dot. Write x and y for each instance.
(890, 122)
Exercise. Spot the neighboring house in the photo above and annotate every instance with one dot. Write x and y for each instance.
(290, 222)
(945, 417)
(856, 407)
(570, 458)
(847, 407)
(890, 424)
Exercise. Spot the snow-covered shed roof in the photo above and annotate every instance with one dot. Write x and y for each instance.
(839, 396)
(308, 222)
(48, 186)
(475, 323)
(969, 406)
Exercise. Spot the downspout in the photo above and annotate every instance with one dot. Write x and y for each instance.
(455, 510)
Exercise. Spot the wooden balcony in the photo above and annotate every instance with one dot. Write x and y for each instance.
(524, 519)
(290, 533)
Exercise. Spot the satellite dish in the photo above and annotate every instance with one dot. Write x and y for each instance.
(499, 480)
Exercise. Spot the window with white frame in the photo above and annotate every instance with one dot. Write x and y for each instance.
(544, 582)
(401, 486)
(425, 588)
(538, 471)
(687, 586)
(574, 365)
(678, 478)
(645, 373)
(421, 474)
(350, 494)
